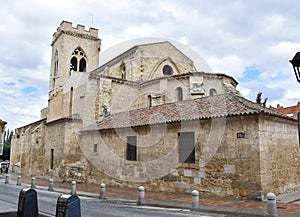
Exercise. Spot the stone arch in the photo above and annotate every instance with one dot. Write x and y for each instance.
(161, 64)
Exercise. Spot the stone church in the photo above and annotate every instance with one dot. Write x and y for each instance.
(147, 112)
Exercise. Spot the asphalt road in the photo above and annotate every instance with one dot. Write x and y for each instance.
(90, 207)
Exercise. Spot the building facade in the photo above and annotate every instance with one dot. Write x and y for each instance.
(2, 129)
(150, 115)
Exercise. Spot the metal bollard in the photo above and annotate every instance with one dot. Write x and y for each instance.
(19, 181)
(51, 185)
(271, 205)
(33, 182)
(6, 179)
(73, 188)
(195, 199)
(102, 191)
(141, 197)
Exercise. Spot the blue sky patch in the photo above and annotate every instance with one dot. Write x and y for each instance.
(11, 83)
(29, 90)
(251, 73)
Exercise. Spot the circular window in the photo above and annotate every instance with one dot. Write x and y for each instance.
(167, 70)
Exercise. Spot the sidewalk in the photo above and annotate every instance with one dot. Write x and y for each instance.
(287, 205)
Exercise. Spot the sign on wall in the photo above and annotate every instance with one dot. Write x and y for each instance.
(197, 86)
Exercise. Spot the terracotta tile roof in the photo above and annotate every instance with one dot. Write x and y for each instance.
(291, 110)
(224, 105)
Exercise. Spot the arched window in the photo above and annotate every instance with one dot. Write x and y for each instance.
(78, 60)
(123, 71)
(74, 63)
(149, 98)
(82, 65)
(212, 92)
(56, 64)
(179, 95)
(167, 70)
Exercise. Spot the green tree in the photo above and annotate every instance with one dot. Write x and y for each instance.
(259, 99)
(6, 145)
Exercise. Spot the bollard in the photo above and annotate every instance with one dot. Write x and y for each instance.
(102, 191)
(19, 181)
(73, 188)
(195, 199)
(68, 206)
(33, 182)
(271, 205)
(28, 203)
(51, 185)
(6, 179)
(141, 197)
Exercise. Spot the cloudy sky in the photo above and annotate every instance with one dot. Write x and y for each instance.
(249, 40)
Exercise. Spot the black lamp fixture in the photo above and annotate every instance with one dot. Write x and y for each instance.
(296, 65)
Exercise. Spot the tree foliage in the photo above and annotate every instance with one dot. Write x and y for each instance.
(6, 145)
(259, 99)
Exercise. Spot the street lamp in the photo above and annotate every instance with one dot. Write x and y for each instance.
(296, 65)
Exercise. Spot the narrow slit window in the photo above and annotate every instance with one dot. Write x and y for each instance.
(95, 148)
(52, 159)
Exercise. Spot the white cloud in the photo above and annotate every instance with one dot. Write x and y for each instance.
(230, 65)
(231, 36)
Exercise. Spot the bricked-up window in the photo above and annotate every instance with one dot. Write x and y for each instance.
(179, 95)
(56, 64)
(95, 148)
(51, 159)
(186, 147)
(131, 148)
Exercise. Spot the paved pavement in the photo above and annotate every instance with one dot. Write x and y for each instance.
(288, 205)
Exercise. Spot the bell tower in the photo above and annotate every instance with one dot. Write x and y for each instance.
(73, 49)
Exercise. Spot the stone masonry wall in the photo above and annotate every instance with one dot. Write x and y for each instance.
(28, 148)
(279, 155)
(241, 156)
(148, 61)
(225, 165)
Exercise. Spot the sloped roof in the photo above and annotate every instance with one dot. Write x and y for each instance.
(223, 105)
(290, 110)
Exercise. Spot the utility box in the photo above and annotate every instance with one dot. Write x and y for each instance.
(68, 206)
(28, 204)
